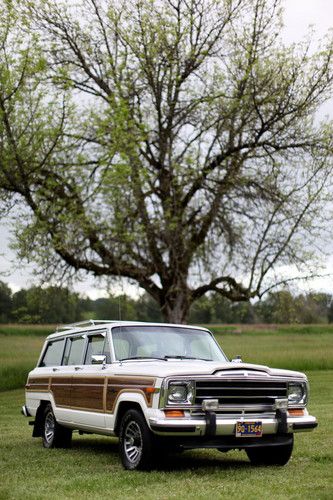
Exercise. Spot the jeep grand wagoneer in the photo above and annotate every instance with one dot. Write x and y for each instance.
(162, 387)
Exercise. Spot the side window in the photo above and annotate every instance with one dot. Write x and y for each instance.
(53, 353)
(96, 345)
(74, 351)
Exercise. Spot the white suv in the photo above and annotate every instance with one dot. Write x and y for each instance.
(162, 386)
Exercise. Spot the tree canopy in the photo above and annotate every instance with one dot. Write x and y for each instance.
(175, 143)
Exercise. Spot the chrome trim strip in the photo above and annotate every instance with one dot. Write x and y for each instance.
(240, 396)
(233, 388)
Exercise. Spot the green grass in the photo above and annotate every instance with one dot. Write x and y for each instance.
(293, 351)
(27, 330)
(18, 355)
(91, 468)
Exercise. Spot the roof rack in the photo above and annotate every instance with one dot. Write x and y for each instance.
(88, 322)
(94, 322)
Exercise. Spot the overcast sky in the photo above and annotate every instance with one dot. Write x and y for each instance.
(299, 15)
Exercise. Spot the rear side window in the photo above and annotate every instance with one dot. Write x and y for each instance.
(53, 353)
(74, 351)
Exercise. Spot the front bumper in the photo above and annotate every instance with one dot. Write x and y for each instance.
(212, 424)
(25, 412)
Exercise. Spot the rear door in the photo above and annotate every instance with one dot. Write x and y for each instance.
(89, 380)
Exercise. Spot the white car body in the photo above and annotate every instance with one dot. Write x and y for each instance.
(222, 395)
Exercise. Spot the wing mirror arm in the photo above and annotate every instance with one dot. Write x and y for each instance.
(99, 359)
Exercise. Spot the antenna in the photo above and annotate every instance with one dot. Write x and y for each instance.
(119, 308)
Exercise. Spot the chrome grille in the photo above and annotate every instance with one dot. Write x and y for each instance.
(240, 393)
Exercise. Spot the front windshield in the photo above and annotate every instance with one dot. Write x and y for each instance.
(163, 342)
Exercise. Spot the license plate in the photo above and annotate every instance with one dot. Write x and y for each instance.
(249, 429)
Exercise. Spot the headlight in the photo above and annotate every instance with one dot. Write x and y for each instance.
(297, 393)
(181, 392)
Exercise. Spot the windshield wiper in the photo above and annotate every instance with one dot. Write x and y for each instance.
(186, 357)
(143, 357)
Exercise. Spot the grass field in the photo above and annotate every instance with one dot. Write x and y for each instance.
(91, 468)
(27, 330)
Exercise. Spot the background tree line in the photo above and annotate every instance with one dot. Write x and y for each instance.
(60, 305)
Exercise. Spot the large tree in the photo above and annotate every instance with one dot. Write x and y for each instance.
(175, 143)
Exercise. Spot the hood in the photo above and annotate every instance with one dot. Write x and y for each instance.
(197, 367)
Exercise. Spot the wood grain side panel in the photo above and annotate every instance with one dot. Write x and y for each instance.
(37, 383)
(61, 389)
(88, 396)
(131, 380)
(98, 394)
(118, 385)
(84, 380)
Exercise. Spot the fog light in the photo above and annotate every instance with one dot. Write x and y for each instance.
(210, 404)
(281, 404)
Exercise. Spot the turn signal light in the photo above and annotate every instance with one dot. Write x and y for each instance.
(174, 413)
(296, 412)
(149, 390)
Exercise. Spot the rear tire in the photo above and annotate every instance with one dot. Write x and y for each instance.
(271, 455)
(54, 435)
(136, 442)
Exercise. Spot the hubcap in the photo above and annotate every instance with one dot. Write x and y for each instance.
(49, 427)
(133, 442)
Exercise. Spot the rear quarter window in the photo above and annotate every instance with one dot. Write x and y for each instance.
(53, 353)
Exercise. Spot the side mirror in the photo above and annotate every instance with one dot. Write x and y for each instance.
(98, 359)
(237, 359)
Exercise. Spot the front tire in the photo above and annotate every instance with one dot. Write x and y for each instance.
(271, 455)
(54, 435)
(136, 442)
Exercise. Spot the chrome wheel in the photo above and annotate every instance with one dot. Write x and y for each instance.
(133, 442)
(49, 427)
(136, 441)
(54, 435)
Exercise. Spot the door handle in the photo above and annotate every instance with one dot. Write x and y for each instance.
(76, 368)
(55, 369)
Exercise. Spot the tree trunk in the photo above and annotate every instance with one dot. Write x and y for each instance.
(175, 306)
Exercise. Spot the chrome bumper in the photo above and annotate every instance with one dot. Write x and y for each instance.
(25, 411)
(223, 426)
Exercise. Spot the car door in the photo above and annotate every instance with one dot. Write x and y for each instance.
(89, 380)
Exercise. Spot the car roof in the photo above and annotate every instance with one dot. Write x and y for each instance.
(92, 325)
